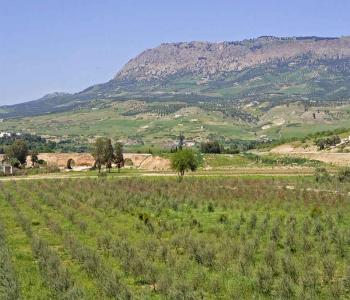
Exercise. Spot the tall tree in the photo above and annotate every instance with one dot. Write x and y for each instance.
(109, 154)
(181, 141)
(119, 157)
(98, 152)
(17, 152)
(34, 157)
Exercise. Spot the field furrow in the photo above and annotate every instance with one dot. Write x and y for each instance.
(202, 238)
(9, 286)
(53, 265)
(81, 259)
(31, 284)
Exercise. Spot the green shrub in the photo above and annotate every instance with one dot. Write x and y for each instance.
(264, 279)
(284, 288)
(223, 219)
(329, 268)
(211, 207)
(289, 267)
(344, 175)
(321, 175)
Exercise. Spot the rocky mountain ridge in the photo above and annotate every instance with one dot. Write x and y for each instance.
(266, 69)
(207, 59)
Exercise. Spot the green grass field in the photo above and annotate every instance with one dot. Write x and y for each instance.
(157, 238)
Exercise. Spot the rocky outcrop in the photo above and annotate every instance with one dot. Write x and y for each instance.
(208, 59)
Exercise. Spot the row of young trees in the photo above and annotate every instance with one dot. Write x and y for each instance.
(105, 154)
(214, 147)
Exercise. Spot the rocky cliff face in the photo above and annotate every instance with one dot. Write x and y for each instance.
(208, 59)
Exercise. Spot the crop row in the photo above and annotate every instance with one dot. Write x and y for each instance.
(9, 286)
(51, 267)
(184, 245)
(86, 256)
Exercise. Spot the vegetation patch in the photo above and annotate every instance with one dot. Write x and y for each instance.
(206, 238)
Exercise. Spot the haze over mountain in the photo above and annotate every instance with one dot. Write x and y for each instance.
(264, 69)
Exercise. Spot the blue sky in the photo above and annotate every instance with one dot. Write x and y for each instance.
(67, 45)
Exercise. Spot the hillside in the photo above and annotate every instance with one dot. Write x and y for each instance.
(265, 87)
(227, 73)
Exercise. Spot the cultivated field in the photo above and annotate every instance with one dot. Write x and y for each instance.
(157, 238)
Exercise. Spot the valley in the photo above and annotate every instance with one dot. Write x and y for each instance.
(199, 171)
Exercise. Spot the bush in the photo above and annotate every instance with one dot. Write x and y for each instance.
(223, 219)
(289, 267)
(211, 147)
(344, 175)
(284, 288)
(329, 268)
(211, 207)
(184, 160)
(264, 279)
(327, 142)
(321, 175)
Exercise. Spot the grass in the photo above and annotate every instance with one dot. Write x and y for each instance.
(156, 238)
(217, 161)
(9, 287)
(32, 284)
(246, 160)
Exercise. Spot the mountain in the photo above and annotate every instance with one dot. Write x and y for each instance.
(208, 60)
(216, 75)
(266, 68)
(253, 89)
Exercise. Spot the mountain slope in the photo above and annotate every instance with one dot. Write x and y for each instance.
(217, 75)
(210, 59)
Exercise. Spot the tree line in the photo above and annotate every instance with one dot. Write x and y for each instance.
(40, 144)
(105, 154)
